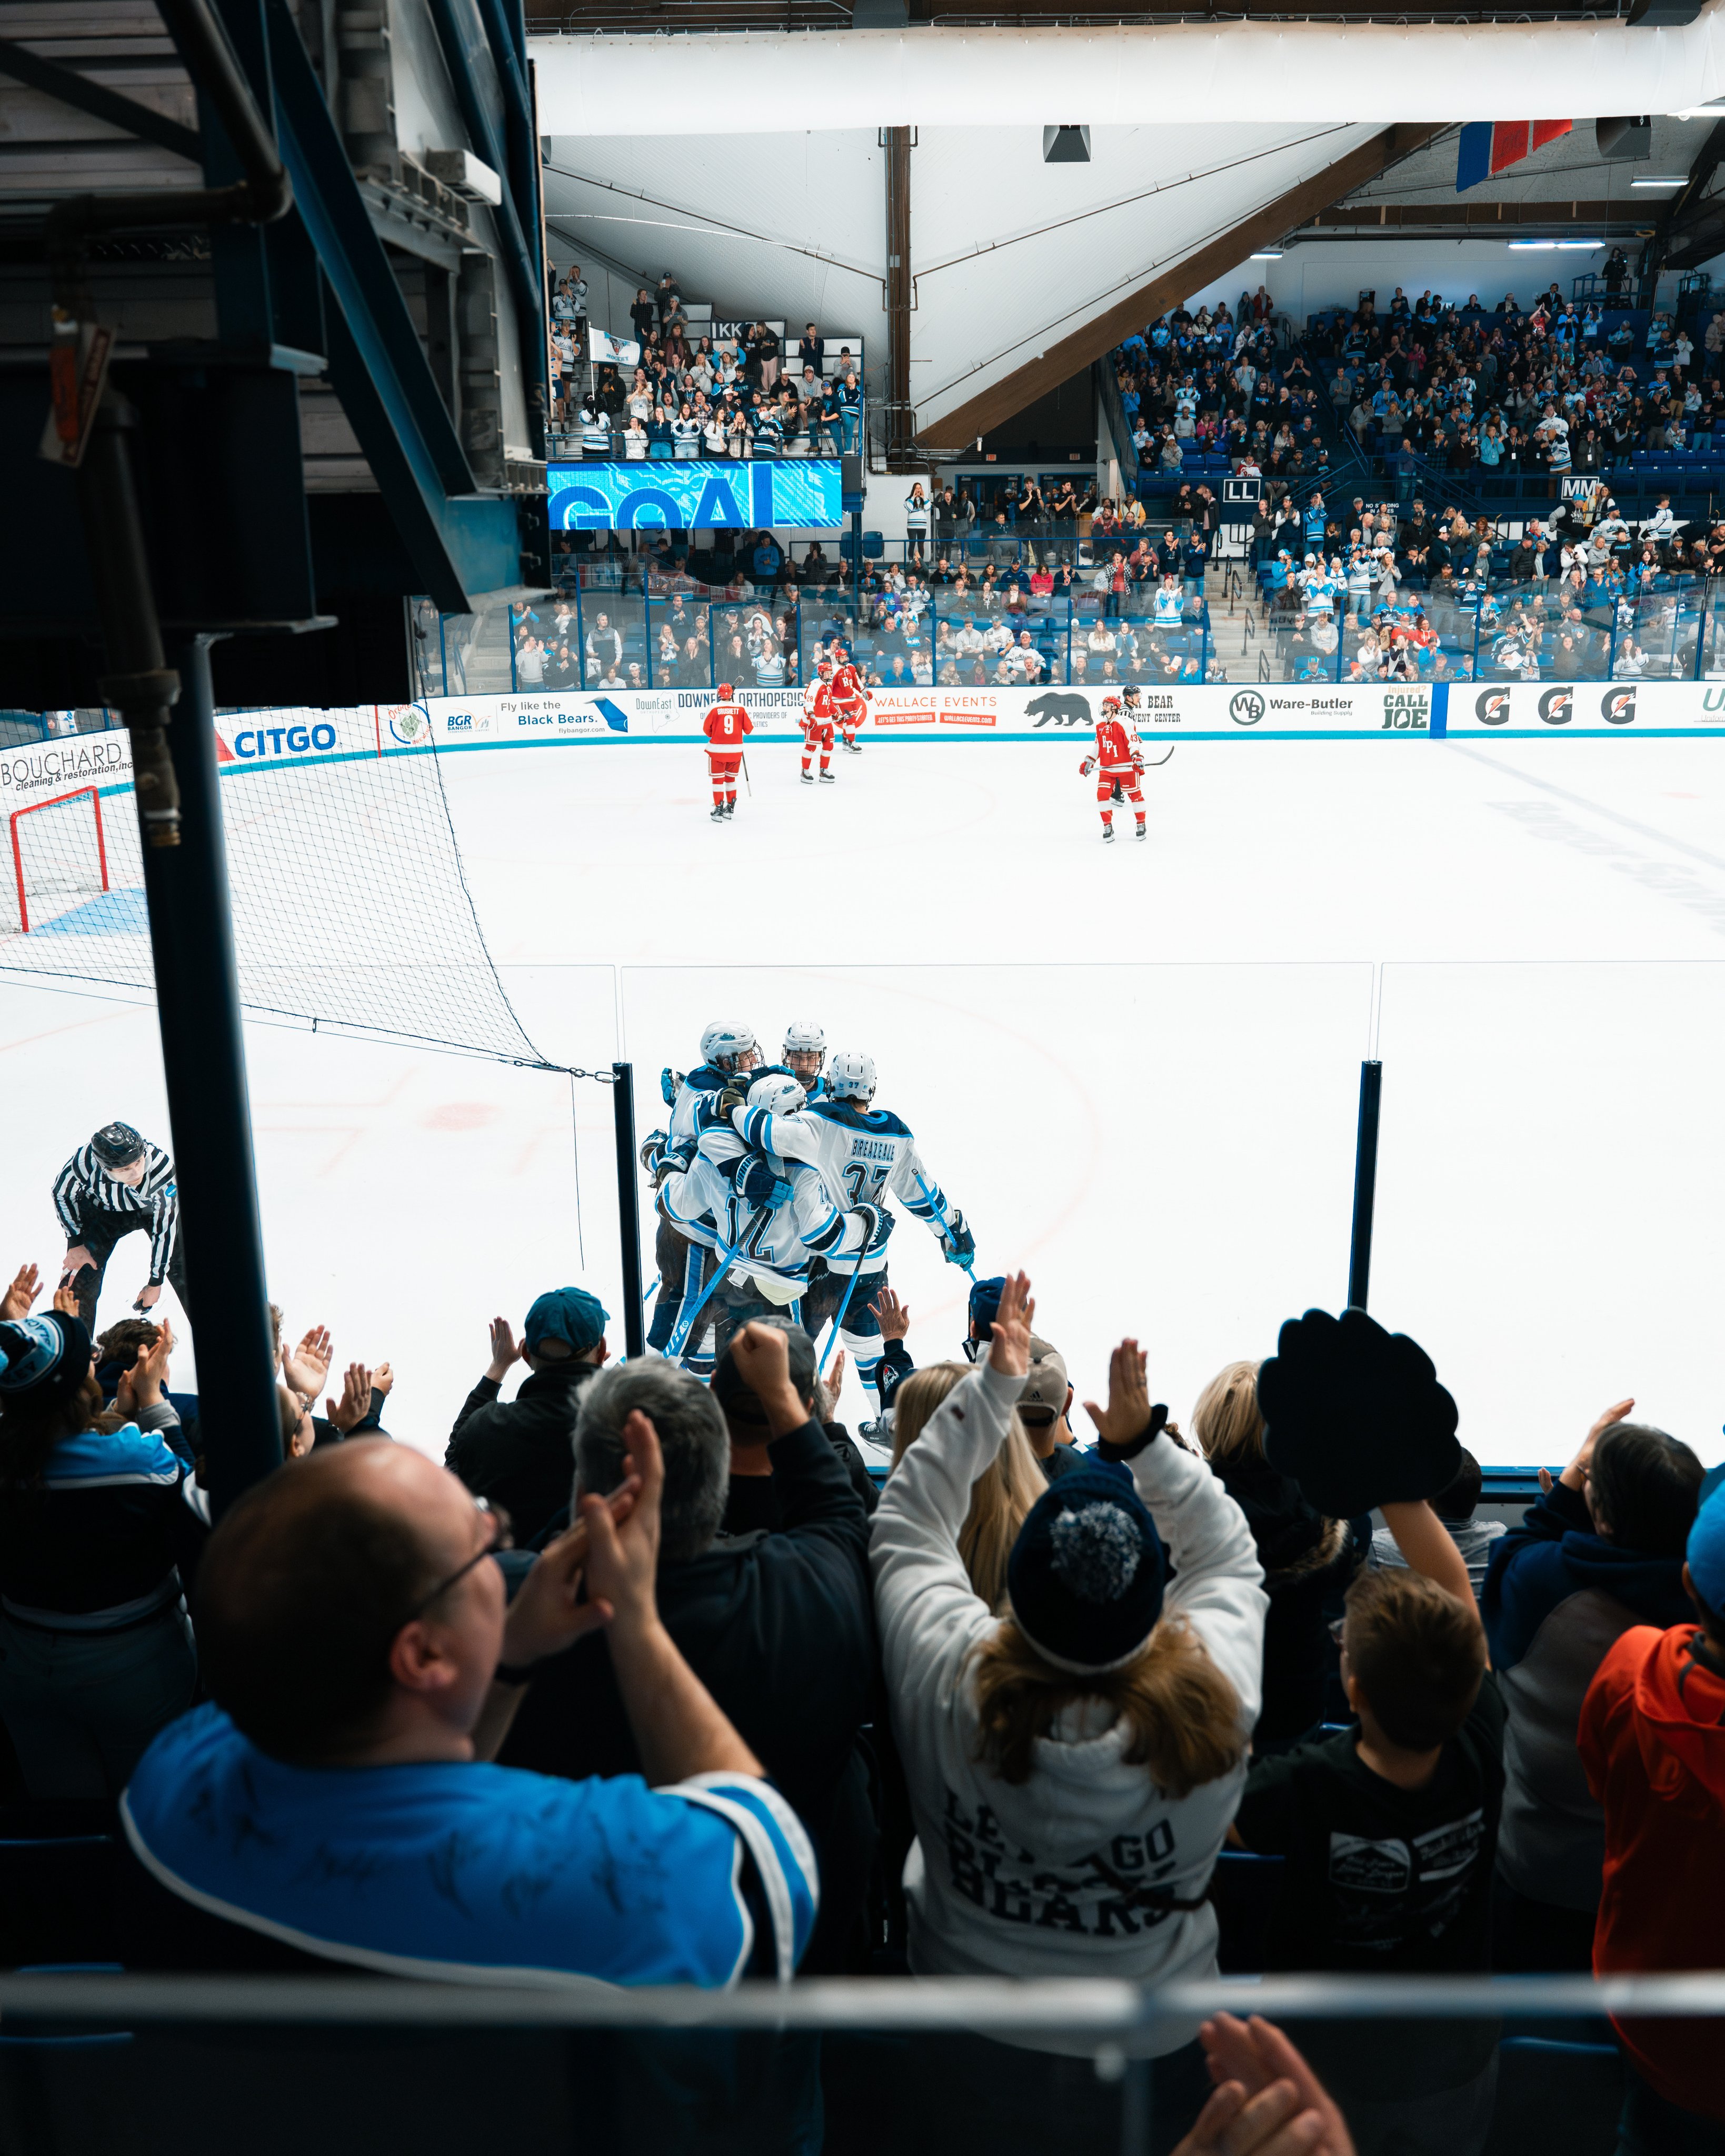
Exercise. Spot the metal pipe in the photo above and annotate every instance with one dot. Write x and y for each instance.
(629, 1218)
(203, 1059)
(1365, 1182)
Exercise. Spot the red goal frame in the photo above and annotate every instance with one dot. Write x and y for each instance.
(30, 809)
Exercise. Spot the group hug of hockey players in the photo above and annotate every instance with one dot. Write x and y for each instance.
(836, 700)
(771, 1182)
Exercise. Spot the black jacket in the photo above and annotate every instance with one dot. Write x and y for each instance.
(521, 1453)
(779, 1627)
(1307, 1562)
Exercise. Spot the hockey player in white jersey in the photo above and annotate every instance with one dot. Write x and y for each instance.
(863, 1154)
(804, 1056)
(776, 1217)
(725, 1049)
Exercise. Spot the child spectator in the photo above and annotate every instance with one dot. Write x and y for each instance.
(1601, 1552)
(1455, 1505)
(1652, 1738)
(1388, 1832)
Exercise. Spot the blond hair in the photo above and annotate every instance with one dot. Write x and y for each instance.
(1002, 1495)
(1182, 1714)
(1226, 1421)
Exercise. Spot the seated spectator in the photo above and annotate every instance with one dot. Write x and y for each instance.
(762, 1585)
(518, 1454)
(363, 1666)
(1387, 1832)
(100, 1528)
(1601, 1550)
(1307, 1559)
(1048, 1751)
(1455, 1505)
(1652, 1740)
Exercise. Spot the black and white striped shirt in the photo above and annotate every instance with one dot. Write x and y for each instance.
(83, 1187)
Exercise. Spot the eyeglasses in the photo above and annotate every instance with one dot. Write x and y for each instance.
(497, 1537)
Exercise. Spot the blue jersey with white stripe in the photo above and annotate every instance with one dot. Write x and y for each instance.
(477, 1873)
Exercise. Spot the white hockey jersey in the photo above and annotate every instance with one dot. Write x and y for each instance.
(780, 1240)
(860, 1154)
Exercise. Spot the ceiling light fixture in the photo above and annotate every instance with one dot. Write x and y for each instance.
(1680, 182)
(1565, 246)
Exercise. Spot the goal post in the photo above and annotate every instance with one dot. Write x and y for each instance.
(58, 850)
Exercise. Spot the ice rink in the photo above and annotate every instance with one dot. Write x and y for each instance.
(1136, 1068)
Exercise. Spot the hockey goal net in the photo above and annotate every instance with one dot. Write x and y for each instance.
(58, 857)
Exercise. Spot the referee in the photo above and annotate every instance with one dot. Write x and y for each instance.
(117, 1183)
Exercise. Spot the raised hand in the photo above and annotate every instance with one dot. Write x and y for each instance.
(623, 1556)
(1010, 1345)
(75, 1260)
(548, 1613)
(1574, 1476)
(25, 1286)
(1127, 1416)
(356, 1401)
(307, 1369)
(892, 1315)
(504, 1350)
(383, 1380)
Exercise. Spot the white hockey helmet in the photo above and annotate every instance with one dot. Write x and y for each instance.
(779, 1094)
(723, 1045)
(803, 1037)
(851, 1076)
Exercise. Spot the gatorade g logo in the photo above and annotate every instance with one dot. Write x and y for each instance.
(1617, 707)
(1557, 706)
(1246, 708)
(1492, 708)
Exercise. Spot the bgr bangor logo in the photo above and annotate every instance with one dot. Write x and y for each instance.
(1246, 707)
(1492, 708)
(1557, 706)
(1407, 709)
(1617, 707)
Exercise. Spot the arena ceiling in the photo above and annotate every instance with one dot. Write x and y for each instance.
(1206, 144)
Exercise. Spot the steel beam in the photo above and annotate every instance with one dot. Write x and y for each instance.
(67, 86)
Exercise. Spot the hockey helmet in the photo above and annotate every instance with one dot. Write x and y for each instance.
(725, 692)
(117, 1145)
(1110, 703)
(803, 1037)
(779, 1094)
(852, 1077)
(727, 1045)
(824, 668)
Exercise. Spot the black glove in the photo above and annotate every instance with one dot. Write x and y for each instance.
(760, 1183)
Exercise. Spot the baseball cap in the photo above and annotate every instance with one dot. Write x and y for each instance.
(1706, 1552)
(569, 1314)
(1044, 1398)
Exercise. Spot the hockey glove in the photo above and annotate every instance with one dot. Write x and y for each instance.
(757, 1181)
(867, 1217)
(1088, 766)
(736, 1092)
(649, 1149)
(957, 1244)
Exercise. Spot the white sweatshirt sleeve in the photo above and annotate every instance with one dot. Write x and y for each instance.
(928, 1613)
(1218, 1583)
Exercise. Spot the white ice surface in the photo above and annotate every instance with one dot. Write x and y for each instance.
(1135, 1067)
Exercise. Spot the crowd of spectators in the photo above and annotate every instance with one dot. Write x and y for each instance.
(692, 395)
(1002, 1714)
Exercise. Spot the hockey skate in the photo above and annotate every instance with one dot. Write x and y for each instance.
(718, 814)
(828, 779)
(1107, 834)
(1141, 833)
(851, 749)
(809, 778)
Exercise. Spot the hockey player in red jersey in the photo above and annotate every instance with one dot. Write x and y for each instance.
(851, 701)
(818, 724)
(1119, 765)
(725, 726)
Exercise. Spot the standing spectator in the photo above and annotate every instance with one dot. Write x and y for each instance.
(774, 1616)
(1652, 1738)
(1455, 1505)
(1601, 1550)
(98, 1513)
(1308, 1558)
(646, 317)
(604, 651)
(915, 521)
(1387, 1833)
(850, 403)
(1079, 1756)
(812, 352)
(518, 1454)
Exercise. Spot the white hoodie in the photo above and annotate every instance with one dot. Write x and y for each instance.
(1008, 1880)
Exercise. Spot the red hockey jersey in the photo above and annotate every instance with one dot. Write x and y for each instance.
(818, 705)
(1117, 745)
(847, 686)
(726, 725)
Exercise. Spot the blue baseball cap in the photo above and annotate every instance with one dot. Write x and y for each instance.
(985, 1301)
(570, 1314)
(1706, 1552)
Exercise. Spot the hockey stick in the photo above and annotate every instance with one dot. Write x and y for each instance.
(680, 1337)
(939, 1211)
(750, 783)
(839, 1319)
